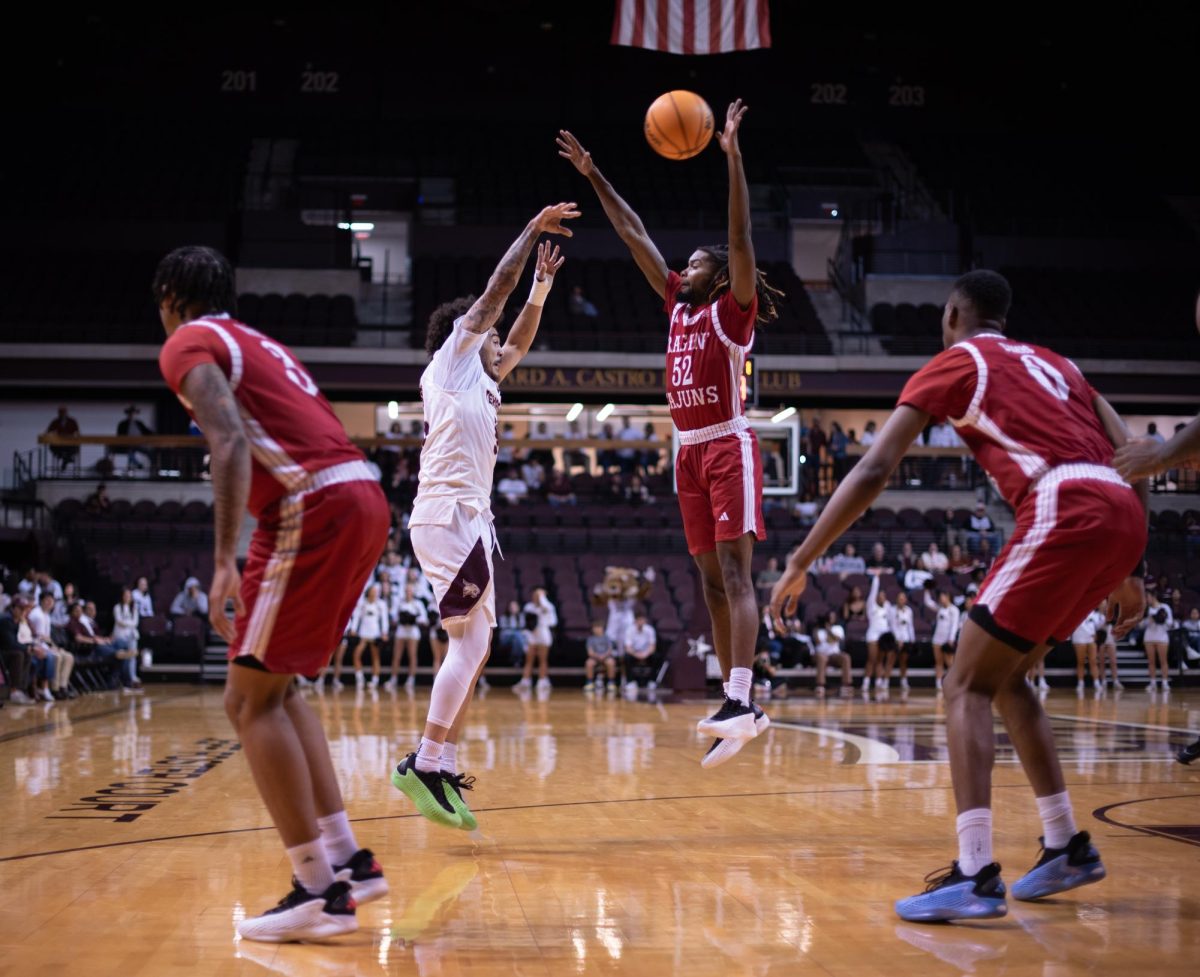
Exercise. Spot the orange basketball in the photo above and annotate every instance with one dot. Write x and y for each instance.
(679, 125)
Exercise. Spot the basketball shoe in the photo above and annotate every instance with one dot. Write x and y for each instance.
(725, 749)
(1189, 753)
(300, 915)
(426, 789)
(365, 875)
(1060, 869)
(457, 783)
(952, 895)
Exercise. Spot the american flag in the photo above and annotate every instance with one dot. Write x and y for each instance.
(692, 26)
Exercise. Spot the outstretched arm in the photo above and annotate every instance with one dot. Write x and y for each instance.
(743, 274)
(625, 221)
(1142, 457)
(483, 314)
(524, 330)
(857, 491)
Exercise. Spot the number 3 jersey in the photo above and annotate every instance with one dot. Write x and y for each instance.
(292, 429)
(1021, 409)
(706, 353)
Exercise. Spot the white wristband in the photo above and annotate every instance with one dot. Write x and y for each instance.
(539, 291)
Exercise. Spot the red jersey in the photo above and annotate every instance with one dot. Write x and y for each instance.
(706, 354)
(292, 429)
(1021, 409)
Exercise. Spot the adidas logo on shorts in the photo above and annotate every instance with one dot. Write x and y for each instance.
(470, 590)
(724, 517)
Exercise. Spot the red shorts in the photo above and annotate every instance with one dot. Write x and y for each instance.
(309, 560)
(719, 484)
(1080, 532)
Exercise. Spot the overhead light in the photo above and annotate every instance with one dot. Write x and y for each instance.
(393, 409)
(833, 213)
(574, 412)
(783, 415)
(356, 226)
(804, 459)
(603, 413)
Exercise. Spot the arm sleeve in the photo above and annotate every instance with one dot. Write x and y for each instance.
(188, 348)
(457, 366)
(422, 617)
(737, 323)
(943, 387)
(552, 617)
(670, 290)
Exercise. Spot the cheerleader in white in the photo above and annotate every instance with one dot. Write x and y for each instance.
(905, 634)
(945, 633)
(409, 617)
(1106, 649)
(1084, 640)
(370, 623)
(1156, 638)
(879, 617)
(829, 641)
(540, 613)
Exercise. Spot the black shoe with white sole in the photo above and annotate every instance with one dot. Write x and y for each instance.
(365, 875)
(302, 916)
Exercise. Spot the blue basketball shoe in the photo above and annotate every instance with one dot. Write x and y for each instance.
(1060, 869)
(952, 895)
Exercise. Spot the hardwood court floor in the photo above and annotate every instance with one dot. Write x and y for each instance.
(603, 847)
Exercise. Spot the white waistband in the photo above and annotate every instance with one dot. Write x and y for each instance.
(1076, 470)
(348, 471)
(701, 434)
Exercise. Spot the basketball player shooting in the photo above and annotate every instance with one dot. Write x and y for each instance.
(1046, 438)
(713, 305)
(451, 523)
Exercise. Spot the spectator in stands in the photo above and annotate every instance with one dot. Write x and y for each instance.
(641, 643)
(574, 457)
(540, 618)
(98, 503)
(838, 442)
(410, 617)
(944, 436)
(981, 525)
(63, 661)
(907, 560)
(878, 560)
(370, 622)
(142, 599)
(960, 562)
(580, 305)
(806, 510)
(628, 457)
(543, 456)
(934, 560)
(650, 459)
(1191, 634)
(1164, 590)
(61, 614)
(796, 643)
(47, 584)
(43, 660)
(387, 456)
(952, 531)
(815, 454)
(766, 579)
(416, 579)
(131, 426)
(512, 638)
(767, 680)
(65, 426)
(27, 586)
(854, 607)
(395, 571)
(848, 561)
(985, 556)
(87, 640)
(533, 475)
(773, 465)
(1151, 432)
(1157, 638)
(829, 641)
(636, 492)
(606, 458)
(5, 600)
(126, 619)
(190, 600)
(559, 491)
(512, 488)
(505, 452)
(769, 639)
(601, 654)
(16, 656)
(868, 435)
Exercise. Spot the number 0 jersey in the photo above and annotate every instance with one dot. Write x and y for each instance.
(706, 353)
(1021, 409)
(293, 431)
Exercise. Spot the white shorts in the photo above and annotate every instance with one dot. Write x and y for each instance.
(1085, 634)
(407, 632)
(943, 638)
(456, 558)
(541, 636)
(874, 635)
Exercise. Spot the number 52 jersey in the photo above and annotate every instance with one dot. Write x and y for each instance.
(1021, 409)
(292, 429)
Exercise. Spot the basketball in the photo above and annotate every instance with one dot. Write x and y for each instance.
(679, 125)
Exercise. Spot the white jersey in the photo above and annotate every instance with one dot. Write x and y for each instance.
(547, 618)
(829, 640)
(945, 631)
(459, 454)
(902, 624)
(1155, 632)
(370, 620)
(1085, 634)
(879, 616)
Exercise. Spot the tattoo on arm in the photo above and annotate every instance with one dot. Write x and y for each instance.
(216, 411)
(487, 308)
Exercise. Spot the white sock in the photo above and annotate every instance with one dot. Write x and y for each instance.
(311, 866)
(450, 758)
(739, 685)
(974, 840)
(429, 756)
(338, 836)
(1058, 820)
(725, 687)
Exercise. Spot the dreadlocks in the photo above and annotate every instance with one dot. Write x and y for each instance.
(198, 280)
(768, 295)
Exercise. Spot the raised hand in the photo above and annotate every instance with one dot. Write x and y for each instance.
(551, 219)
(1138, 459)
(569, 148)
(728, 137)
(548, 261)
